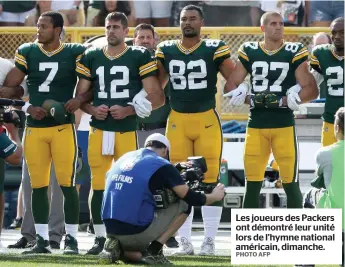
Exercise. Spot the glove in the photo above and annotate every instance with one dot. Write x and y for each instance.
(142, 106)
(293, 99)
(238, 96)
(257, 100)
(272, 101)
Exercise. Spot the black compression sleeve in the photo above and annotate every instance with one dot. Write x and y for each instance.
(195, 198)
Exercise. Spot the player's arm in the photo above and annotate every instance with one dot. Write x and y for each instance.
(316, 67)
(235, 87)
(152, 95)
(236, 77)
(155, 93)
(226, 68)
(14, 92)
(307, 82)
(163, 76)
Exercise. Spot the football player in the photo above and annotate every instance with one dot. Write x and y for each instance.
(117, 73)
(50, 68)
(194, 128)
(274, 66)
(328, 60)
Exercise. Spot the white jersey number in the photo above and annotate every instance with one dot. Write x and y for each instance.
(335, 86)
(260, 71)
(53, 66)
(114, 83)
(195, 79)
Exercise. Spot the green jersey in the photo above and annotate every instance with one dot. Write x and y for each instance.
(50, 75)
(272, 71)
(193, 73)
(331, 66)
(116, 80)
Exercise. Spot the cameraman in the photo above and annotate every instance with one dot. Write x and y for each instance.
(136, 230)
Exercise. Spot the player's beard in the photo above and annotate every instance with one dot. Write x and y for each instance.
(190, 34)
(114, 41)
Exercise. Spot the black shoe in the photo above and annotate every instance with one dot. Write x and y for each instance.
(17, 223)
(31, 244)
(97, 247)
(172, 243)
(71, 246)
(41, 247)
(21, 243)
(111, 252)
(158, 259)
(54, 244)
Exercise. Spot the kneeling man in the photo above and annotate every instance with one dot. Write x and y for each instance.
(136, 229)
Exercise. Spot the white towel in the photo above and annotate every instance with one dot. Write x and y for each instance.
(108, 143)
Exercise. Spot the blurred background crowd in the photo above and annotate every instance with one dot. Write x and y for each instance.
(165, 13)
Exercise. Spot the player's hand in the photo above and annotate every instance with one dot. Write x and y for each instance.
(100, 112)
(238, 96)
(272, 101)
(141, 105)
(118, 112)
(37, 113)
(72, 105)
(218, 192)
(257, 100)
(293, 99)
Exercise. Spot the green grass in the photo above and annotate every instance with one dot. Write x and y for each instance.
(17, 260)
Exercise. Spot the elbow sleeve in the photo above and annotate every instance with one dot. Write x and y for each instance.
(195, 198)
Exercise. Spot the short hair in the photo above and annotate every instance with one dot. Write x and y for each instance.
(155, 144)
(340, 19)
(265, 17)
(144, 26)
(118, 16)
(339, 119)
(55, 17)
(193, 7)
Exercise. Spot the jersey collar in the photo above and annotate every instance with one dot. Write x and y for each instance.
(268, 52)
(52, 53)
(335, 55)
(117, 56)
(188, 50)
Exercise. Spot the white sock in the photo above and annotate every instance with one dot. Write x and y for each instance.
(72, 230)
(42, 230)
(186, 229)
(211, 216)
(99, 230)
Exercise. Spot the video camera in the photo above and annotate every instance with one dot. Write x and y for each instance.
(8, 116)
(192, 174)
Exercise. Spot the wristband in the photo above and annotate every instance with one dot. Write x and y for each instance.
(26, 106)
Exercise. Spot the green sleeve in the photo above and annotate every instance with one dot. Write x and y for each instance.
(243, 56)
(83, 66)
(300, 56)
(159, 55)
(20, 57)
(222, 53)
(147, 65)
(314, 60)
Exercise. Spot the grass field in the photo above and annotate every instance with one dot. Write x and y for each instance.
(17, 260)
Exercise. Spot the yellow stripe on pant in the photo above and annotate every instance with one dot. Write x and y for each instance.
(100, 164)
(42, 145)
(196, 134)
(258, 146)
(327, 137)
